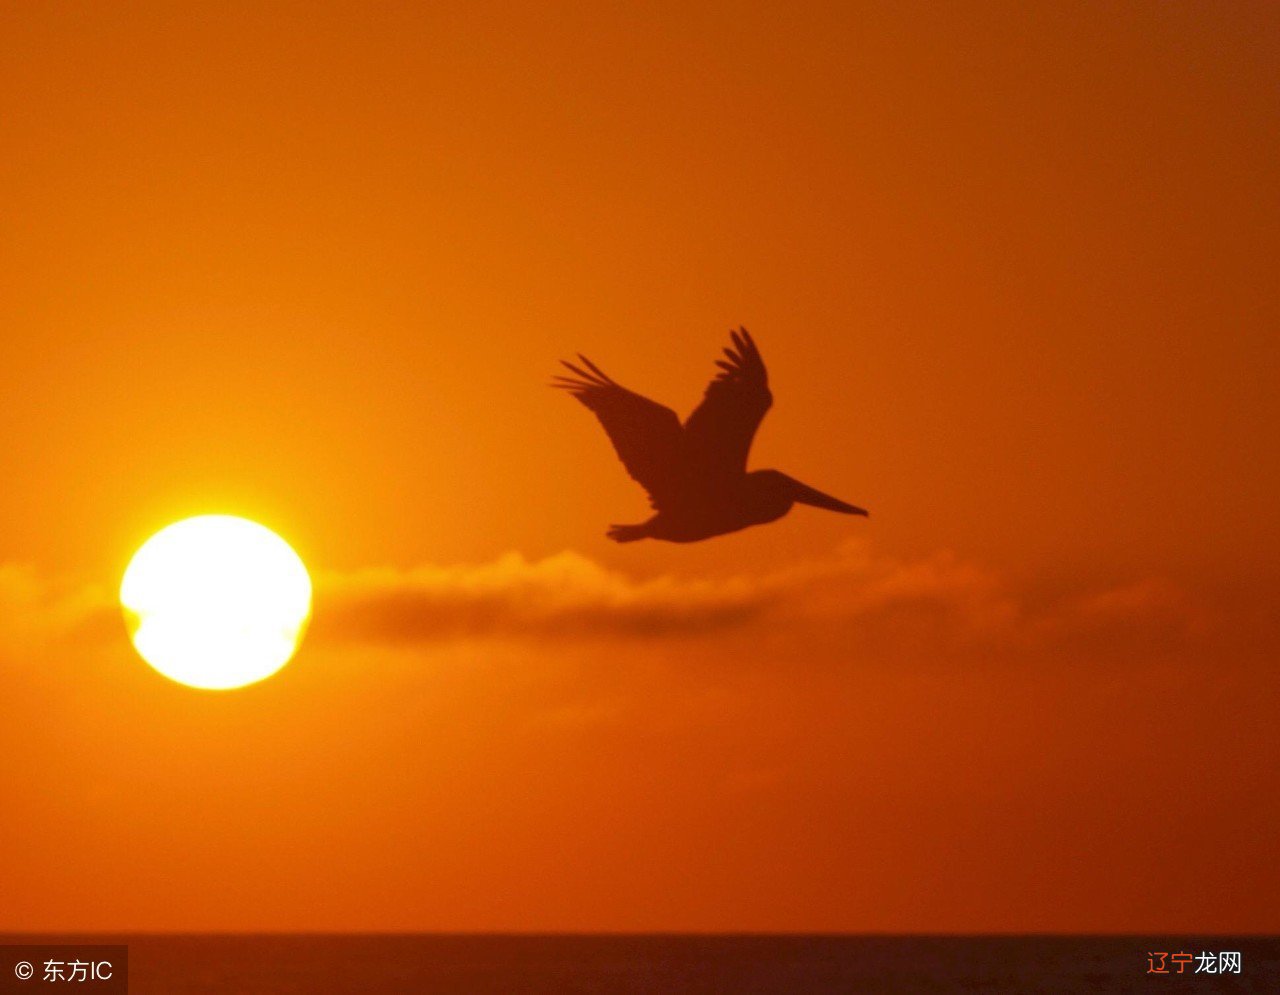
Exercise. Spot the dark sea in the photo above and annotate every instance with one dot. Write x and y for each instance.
(619, 964)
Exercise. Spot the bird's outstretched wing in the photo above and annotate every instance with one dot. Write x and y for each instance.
(719, 431)
(645, 434)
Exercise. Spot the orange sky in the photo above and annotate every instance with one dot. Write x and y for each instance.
(1012, 270)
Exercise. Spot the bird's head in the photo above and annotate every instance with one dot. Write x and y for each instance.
(780, 485)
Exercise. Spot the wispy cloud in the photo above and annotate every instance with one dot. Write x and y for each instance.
(571, 597)
(35, 611)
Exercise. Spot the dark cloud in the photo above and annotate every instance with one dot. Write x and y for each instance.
(566, 595)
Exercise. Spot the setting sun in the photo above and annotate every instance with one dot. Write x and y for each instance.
(216, 601)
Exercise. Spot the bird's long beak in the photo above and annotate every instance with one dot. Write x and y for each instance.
(811, 495)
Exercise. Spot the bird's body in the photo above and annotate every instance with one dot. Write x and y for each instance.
(696, 473)
(726, 506)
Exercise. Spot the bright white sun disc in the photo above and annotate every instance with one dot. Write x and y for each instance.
(216, 601)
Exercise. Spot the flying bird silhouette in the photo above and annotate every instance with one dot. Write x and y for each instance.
(696, 473)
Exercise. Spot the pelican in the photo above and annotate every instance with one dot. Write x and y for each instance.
(696, 473)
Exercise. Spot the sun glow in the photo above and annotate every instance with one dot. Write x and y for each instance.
(216, 601)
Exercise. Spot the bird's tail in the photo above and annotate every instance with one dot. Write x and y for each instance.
(627, 533)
